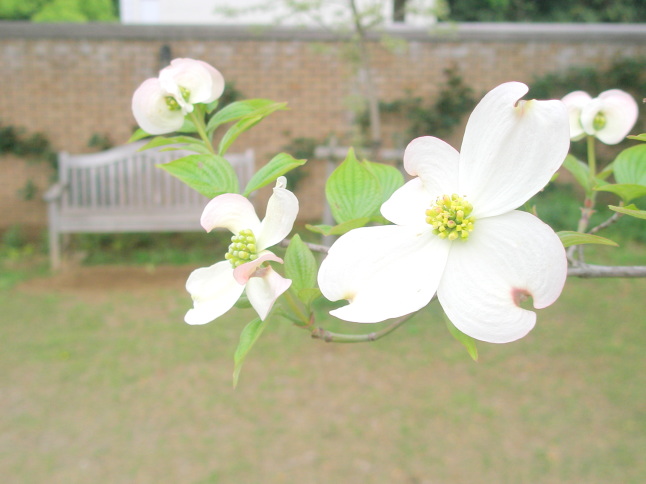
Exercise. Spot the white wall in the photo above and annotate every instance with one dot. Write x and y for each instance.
(250, 12)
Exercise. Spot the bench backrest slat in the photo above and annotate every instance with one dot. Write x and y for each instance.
(123, 178)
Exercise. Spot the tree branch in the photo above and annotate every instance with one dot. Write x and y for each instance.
(592, 270)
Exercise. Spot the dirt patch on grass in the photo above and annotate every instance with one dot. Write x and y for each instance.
(99, 279)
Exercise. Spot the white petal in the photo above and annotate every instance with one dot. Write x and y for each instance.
(244, 272)
(230, 211)
(620, 112)
(407, 206)
(505, 257)
(575, 101)
(151, 110)
(511, 149)
(263, 290)
(435, 162)
(282, 209)
(214, 292)
(202, 82)
(384, 272)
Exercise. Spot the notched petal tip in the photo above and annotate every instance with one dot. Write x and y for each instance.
(246, 271)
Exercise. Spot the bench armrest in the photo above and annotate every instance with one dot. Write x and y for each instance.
(55, 192)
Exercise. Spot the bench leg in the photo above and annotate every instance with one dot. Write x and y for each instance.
(54, 239)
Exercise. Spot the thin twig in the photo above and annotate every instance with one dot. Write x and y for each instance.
(331, 337)
(615, 216)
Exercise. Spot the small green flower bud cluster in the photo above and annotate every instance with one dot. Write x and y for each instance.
(172, 104)
(186, 94)
(449, 217)
(242, 248)
(599, 121)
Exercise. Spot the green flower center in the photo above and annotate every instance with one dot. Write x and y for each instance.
(450, 217)
(186, 94)
(172, 103)
(599, 121)
(242, 248)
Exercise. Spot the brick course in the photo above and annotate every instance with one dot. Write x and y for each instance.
(72, 81)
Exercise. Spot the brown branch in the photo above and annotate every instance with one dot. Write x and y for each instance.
(593, 271)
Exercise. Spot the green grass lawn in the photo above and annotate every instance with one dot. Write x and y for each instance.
(102, 382)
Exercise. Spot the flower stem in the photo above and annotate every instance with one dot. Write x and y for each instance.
(296, 309)
(198, 121)
(590, 195)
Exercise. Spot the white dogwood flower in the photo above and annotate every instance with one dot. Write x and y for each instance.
(216, 289)
(155, 109)
(159, 104)
(609, 117)
(456, 232)
(191, 81)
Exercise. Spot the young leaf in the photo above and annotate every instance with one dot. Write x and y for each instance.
(241, 109)
(579, 170)
(639, 137)
(279, 165)
(210, 175)
(248, 338)
(569, 238)
(137, 135)
(631, 210)
(236, 130)
(197, 147)
(158, 141)
(308, 295)
(467, 341)
(626, 191)
(353, 191)
(300, 265)
(630, 166)
(390, 179)
(187, 127)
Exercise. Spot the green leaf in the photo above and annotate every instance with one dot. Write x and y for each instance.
(196, 147)
(353, 191)
(241, 109)
(210, 107)
(630, 166)
(627, 192)
(210, 175)
(341, 228)
(277, 166)
(158, 141)
(248, 338)
(300, 265)
(389, 177)
(579, 170)
(236, 130)
(631, 210)
(467, 341)
(569, 238)
(639, 137)
(137, 135)
(187, 127)
(606, 172)
(308, 295)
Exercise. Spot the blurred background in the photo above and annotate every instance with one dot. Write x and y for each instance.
(101, 381)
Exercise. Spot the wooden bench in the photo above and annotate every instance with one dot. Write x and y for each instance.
(121, 190)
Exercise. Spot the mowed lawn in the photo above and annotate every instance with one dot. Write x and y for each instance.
(102, 382)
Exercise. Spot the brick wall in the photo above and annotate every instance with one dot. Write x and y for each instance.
(72, 81)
